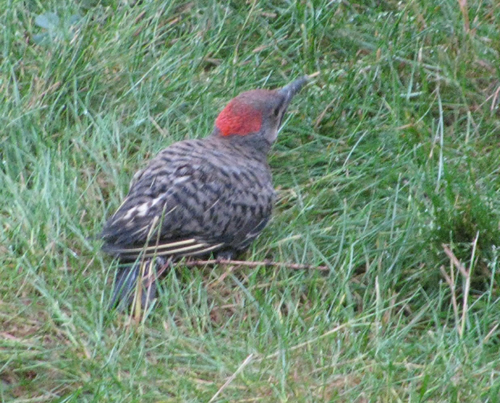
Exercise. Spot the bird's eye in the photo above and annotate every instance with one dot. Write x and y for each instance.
(276, 112)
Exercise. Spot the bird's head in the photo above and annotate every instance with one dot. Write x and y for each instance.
(257, 113)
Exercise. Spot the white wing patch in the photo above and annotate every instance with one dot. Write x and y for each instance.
(142, 209)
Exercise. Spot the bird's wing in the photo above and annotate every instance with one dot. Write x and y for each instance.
(185, 209)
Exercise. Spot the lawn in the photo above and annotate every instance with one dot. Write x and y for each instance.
(387, 172)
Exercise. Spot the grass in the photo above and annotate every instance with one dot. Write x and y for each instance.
(390, 154)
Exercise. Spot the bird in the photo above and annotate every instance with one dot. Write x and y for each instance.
(199, 197)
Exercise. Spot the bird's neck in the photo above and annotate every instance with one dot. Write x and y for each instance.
(252, 145)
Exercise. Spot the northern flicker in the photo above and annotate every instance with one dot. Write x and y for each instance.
(197, 197)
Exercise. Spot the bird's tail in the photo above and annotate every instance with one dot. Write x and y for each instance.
(129, 292)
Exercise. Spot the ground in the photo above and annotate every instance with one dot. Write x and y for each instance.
(387, 173)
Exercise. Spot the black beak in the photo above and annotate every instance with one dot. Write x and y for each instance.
(287, 93)
(293, 88)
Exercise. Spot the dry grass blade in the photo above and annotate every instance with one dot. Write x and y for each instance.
(454, 260)
(306, 343)
(467, 278)
(232, 377)
(451, 283)
(494, 101)
(465, 13)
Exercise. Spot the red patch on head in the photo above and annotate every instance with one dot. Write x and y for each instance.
(239, 117)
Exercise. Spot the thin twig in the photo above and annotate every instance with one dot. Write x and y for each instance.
(231, 378)
(265, 263)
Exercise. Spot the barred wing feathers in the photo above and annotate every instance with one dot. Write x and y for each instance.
(191, 200)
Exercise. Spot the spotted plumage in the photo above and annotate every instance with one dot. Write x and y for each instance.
(197, 197)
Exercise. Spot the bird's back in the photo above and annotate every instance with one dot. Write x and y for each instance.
(194, 197)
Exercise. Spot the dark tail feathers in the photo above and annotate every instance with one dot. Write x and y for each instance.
(126, 290)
